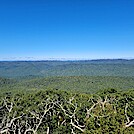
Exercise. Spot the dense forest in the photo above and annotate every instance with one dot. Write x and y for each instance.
(115, 67)
(67, 97)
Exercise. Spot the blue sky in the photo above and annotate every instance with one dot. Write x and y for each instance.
(87, 29)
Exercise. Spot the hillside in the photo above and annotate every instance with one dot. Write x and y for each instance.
(56, 97)
(85, 84)
(117, 67)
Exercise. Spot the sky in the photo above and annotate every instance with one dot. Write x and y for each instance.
(68, 29)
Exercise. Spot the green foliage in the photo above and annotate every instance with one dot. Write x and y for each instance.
(66, 112)
(86, 84)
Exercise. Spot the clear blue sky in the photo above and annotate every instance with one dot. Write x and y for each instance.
(66, 29)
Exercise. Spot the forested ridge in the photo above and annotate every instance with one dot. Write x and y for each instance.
(67, 97)
(117, 67)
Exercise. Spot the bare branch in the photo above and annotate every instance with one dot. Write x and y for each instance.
(82, 130)
(47, 130)
(126, 114)
(128, 123)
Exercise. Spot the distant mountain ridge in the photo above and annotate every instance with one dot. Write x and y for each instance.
(46, 68)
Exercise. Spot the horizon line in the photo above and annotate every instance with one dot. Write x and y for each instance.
(65, 59)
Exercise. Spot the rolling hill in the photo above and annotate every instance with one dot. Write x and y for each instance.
(109, 67)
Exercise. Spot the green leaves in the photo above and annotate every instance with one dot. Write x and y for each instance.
(59, 111)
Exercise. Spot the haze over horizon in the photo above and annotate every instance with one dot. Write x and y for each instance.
(61, 58)
(66, 29)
